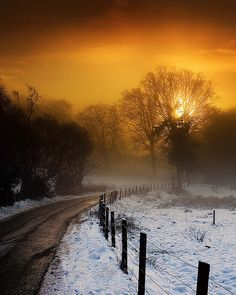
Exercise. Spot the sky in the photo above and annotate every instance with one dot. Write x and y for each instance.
(90, 51)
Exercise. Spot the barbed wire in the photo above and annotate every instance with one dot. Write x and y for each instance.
(163, 252)
(135, 263)
(130, 270)
(189, 264)
(171, 254)
(157, 284)
(131, 278)
(218, 284)
(178, 279)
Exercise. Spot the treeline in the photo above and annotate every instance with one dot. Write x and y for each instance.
(40, 153)
(218, 146)
(208, 155)
(170, 120)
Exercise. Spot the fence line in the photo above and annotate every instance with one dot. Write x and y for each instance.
(113, 197)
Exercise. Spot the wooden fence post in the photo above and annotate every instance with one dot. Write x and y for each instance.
(103, 210)
(124, 256)
(142, 264)
(100, 211)
(104, 197)
(110, 199)
(203, 278)
(214, 217)
(107, 223)
(113, 230)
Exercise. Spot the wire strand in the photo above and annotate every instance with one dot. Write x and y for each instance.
(221, 286)
(171, 254)
(131, 279)
(176, 278)
(164, 252)
(157, 284)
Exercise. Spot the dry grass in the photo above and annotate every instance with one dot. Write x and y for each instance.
(204, 202)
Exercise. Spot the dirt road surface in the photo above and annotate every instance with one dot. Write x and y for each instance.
(28, 242)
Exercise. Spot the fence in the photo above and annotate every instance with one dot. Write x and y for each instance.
(107, 223)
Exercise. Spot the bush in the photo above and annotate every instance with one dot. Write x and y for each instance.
(38, 188)
(64, 184)
(196, 233)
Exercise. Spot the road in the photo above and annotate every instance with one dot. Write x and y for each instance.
(28, 242)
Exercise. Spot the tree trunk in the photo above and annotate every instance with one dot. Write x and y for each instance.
(26, 179)
(153, 160)
(179, 179)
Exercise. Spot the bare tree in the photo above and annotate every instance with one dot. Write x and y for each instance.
(4, 98)
(184, 102)
(172, 103)
(31, 100)
(59, 109)
(141, 115)
(104, 125)
(180, 95)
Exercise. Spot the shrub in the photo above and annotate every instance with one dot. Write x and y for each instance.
(196, 233)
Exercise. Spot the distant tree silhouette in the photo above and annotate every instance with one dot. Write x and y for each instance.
(141, 115)
(37, 149)
(5, 100)
(77, 153)
(177, 104)
(104, 124)
(59, 109)
(10, 120)
(64, 149)
(219, 146)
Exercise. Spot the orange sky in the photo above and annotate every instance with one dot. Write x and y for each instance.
(90, 51)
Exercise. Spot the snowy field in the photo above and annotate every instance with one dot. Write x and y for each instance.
(178, 237)
(206, 190)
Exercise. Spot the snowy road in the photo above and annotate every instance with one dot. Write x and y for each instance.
(28, 242)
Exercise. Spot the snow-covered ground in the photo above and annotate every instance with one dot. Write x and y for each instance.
(177, 239)
(85, 264)
(206, 190)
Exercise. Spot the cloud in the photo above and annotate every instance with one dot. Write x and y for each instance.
(10, 73)
(103, 54)
(216, 52)
(28, 26)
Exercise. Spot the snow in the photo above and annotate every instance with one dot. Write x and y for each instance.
(177, 238)
(206, 190)
(28, 204)
(84, 264)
